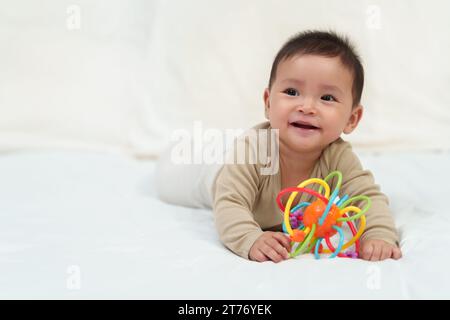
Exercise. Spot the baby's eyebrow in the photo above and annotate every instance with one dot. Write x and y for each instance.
(331, 87)
(293, 80)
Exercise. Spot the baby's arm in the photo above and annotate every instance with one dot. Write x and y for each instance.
(380, 239)
(236, 188)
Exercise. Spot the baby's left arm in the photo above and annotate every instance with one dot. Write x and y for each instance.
(380, 238)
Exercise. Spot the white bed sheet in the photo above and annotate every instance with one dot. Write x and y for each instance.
(88, 225)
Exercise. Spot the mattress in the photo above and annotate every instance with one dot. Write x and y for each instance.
(85, 225)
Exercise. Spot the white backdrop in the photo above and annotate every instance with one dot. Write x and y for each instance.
(120, 75)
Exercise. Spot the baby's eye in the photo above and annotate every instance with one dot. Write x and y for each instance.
(328, 97)
(291, 92)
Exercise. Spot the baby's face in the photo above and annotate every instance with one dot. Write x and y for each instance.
(315, 90)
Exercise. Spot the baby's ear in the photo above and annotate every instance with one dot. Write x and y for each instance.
(266, 95)
(354, 119)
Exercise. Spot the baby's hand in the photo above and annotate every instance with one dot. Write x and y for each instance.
(270, 245)
(377, 250)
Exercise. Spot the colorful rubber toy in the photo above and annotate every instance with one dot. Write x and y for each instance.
(322, 219)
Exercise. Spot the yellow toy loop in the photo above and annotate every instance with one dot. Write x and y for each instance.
(358, 211)
(319, 181)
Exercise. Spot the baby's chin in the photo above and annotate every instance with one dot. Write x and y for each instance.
(302, 146)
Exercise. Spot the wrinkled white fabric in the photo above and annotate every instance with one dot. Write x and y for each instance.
(96, 219)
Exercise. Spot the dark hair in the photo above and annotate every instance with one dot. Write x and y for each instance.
(323, 43)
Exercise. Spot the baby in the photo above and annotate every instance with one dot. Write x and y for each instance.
(313, 96)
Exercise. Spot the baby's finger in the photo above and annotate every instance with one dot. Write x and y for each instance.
(366, 251)
(397, 253)
(272, 242)
(271, 253)
(386, 252)
(259, 256)
(376, 253)
(283, 240)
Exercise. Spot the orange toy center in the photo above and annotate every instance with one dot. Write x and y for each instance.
(314, 212)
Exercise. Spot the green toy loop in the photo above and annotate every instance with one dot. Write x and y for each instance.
(363, 211)
(331, 175)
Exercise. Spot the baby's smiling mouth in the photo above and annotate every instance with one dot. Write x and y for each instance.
(303, 125)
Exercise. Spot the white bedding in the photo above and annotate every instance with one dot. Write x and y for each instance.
(88, 225)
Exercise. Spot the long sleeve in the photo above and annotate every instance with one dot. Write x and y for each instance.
(236, 189)
(244, 190)
(357, 181)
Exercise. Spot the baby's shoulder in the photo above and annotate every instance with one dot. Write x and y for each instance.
(336, 153)
(338, 146)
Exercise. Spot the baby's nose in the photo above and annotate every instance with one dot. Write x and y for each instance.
(308, 106)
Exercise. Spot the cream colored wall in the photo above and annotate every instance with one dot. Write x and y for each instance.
(120, 76)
